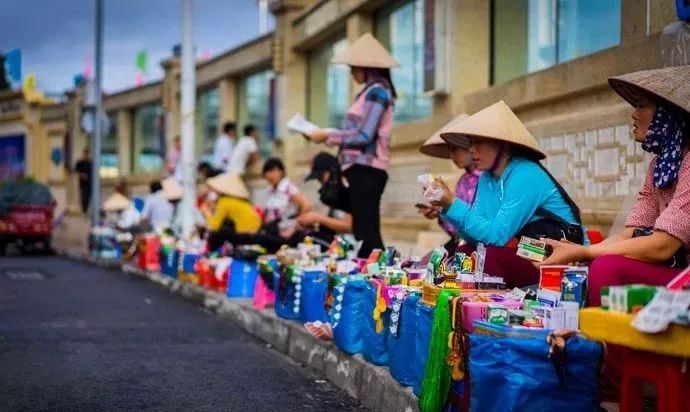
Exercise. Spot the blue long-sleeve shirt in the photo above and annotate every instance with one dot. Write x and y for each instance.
(503, 205)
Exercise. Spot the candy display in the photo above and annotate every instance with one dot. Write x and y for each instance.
(416, 319)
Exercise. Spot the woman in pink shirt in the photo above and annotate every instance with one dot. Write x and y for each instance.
(655, 245)
(364, 137)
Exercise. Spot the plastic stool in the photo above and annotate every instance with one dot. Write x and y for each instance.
(666, 373)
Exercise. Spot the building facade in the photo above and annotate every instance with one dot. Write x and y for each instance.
(549, 60)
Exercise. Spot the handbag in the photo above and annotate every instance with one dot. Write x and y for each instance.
(551, 226)
(333, 193)
(679, 260)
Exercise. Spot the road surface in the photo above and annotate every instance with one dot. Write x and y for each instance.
(74, 337)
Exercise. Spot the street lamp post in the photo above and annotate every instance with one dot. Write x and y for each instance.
(98, 116)
(188, 91)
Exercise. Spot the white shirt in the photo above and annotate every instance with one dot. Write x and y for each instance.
(278, 204)
(244, 147)
(157, 210)
(128, 218)
(222, 152)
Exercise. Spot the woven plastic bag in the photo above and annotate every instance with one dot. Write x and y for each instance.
(425, 319)
(349, 325)
(401, 345)
(287, 300)
(374, 348)
(515, 374)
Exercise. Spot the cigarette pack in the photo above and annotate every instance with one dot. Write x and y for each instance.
(572, 315)
(532, 249)
(548, 297)
(550, 277)
(555, 318)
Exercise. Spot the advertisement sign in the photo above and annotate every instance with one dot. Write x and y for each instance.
(12, 157)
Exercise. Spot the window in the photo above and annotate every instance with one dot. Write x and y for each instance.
(148, 133)
(255, 102)
(207, 123)
(531, 35)
(328, 83)
(400, 28)
(109, 155)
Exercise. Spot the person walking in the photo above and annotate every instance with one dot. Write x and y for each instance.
(245, 152)
(85, 173)
(222, 150)
(365, 136)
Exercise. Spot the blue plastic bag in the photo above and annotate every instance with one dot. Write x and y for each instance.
(242, 278)
(348, 329)
(374, 348)
(515, 374)
(169, 261)
(401, 347)
(313, 297)
(285, 297)
(425, 320)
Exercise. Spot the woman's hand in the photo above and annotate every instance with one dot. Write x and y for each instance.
(309, 219)
(564, 252)
(430, 213)
(447, 198)
(318, 135)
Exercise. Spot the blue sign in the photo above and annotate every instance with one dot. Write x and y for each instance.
(13, 62)
(12, 157)
(56, 156)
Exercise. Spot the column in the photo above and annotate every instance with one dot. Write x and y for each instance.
(227, 101)
(124, 141)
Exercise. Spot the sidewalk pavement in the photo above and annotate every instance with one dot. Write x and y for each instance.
(72, 234)
(372, 385)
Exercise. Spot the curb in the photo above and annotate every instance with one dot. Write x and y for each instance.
(372, 385)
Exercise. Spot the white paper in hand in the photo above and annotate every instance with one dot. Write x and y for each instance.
(298, 124)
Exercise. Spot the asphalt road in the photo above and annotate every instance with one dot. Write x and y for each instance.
(75, 337)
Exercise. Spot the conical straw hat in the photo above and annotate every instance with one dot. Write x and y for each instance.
(366, 52)
(494, 122)
(116, 202)
(171, 189)
(229, 184)
(435, 146)
(670, 84)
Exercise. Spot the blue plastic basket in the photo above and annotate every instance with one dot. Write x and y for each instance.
(242, 279)
(169, 262)
(188, 262)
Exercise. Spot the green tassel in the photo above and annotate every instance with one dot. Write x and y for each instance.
(436, 384)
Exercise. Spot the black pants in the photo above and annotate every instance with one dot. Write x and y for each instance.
(365, 191)
(271, 242)
(85, 196)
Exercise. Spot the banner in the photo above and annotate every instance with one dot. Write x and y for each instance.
(12, 157)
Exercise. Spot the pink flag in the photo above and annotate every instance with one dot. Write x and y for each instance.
(139, 79)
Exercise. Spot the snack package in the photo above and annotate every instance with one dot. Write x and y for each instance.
(574, 285)
(533, 249)
(433, 192)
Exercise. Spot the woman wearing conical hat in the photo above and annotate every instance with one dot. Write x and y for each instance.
(465, 188)
(120, 212)
(231, 212)
(655, 245)
(364, 138)
(516, 196)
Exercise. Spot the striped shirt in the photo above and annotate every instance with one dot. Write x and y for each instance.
(364, 138)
